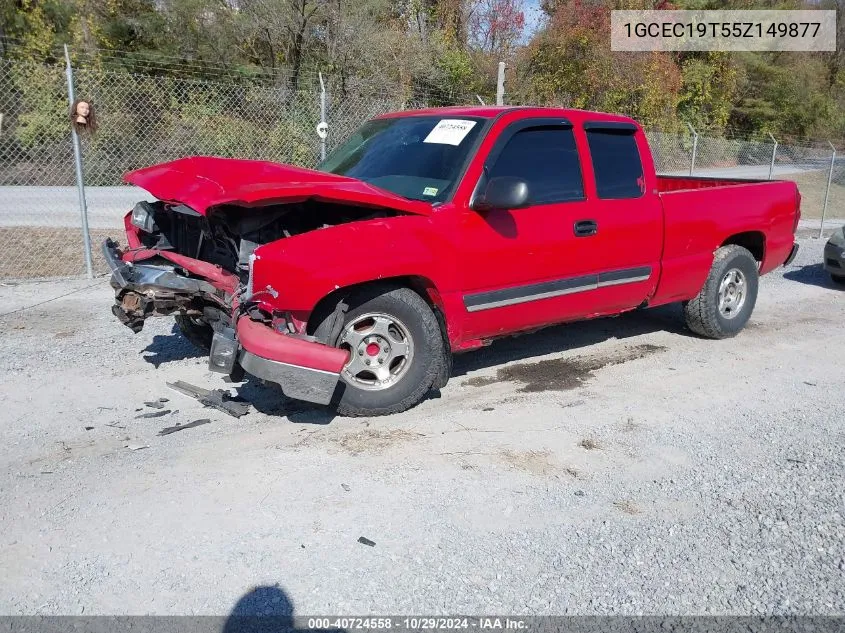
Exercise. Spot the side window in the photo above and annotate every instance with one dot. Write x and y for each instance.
(616, 163)
(547, 159)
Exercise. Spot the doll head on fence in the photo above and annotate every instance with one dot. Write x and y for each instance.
(82, 116)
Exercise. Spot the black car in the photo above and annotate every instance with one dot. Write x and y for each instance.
(834, 256)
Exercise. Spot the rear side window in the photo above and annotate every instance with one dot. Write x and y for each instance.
(547, 159)
(616, 163)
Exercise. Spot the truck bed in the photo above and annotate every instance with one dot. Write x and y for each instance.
(700, 214)
(687, 183)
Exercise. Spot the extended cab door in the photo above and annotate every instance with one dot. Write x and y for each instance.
(588, 242)
(627, 211)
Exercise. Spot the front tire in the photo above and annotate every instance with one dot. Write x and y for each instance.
(837, 279)
(725, 303)
(396, 350)
(197, 331)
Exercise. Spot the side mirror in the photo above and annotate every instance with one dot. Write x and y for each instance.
(503, 192)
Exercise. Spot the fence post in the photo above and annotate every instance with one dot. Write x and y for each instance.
(323, 127)
(500, 85)
(80, 184)
(774, 153)
(694, 147)
(827, 191)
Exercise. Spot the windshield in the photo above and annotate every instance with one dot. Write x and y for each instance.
(417, 157)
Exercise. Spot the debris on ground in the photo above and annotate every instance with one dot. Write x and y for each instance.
(153, 414)
(157, 404)
(136, 447)
(88, 428)
(365, 541)
(346, 487)
(181, 427)
(216, 399)
(589, 444)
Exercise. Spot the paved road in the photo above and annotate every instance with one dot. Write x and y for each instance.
(59, 206)
(754, 172)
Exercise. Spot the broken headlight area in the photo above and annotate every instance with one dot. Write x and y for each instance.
(143, 217)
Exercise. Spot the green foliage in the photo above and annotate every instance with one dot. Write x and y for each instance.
(708, 91)
(787, 95)
(43, 102)
(417, 52)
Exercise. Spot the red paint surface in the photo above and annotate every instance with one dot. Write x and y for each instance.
(451, 250)
(202, 182)
(261, 340)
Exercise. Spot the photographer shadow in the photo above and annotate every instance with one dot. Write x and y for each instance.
(265, 609)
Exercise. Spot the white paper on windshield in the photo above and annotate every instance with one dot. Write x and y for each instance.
(449, 131)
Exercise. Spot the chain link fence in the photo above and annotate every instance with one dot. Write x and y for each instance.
(146, 119)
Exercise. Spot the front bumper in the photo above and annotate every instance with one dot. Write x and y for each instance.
(834, 259)
(154, 288)
(143, 277)
(304, 369)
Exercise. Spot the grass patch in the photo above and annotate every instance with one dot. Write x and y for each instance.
(38, 252)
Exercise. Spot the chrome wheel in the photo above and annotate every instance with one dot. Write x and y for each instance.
(380, 348)
(733, 290)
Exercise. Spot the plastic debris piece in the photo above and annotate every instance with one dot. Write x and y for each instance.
(181, 427)
(153, 414)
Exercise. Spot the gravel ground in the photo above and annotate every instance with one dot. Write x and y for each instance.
(620, 466)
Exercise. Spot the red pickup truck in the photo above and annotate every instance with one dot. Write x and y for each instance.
(432, 232)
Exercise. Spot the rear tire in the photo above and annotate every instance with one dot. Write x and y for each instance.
(725, 303)
(838, 279)
(198, 332)
(396, 349)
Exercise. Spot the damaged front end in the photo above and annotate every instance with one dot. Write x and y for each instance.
(190, 254)
(148, 284)
(152, 278)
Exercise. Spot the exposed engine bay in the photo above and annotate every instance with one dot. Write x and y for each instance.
(229, 234)
(225, 237)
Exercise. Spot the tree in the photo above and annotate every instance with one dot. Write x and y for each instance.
(281, 31)
(496, 26)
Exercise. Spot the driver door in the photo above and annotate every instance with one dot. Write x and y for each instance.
(531, 266)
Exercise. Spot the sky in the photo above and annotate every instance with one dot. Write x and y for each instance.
(533, 16)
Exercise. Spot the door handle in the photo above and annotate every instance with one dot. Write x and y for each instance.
(585, 228)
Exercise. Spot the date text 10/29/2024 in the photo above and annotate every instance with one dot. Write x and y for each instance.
(418, 623)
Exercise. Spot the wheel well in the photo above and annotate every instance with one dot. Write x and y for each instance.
(753, 241)
(421, 285)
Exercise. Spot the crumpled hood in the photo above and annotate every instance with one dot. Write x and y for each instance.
(202, 182)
